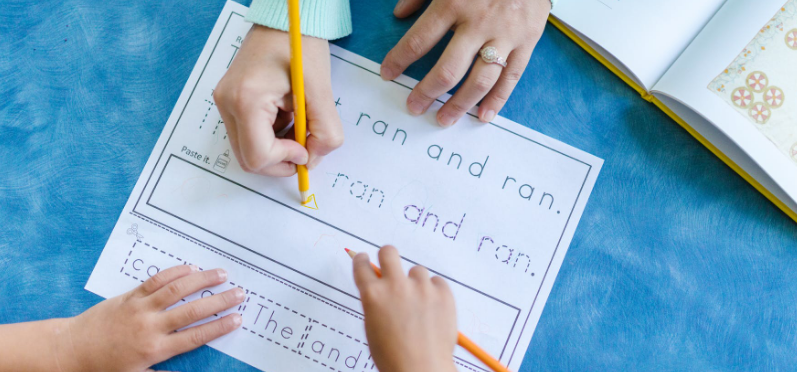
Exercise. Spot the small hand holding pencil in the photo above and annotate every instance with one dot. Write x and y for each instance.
(415, 328)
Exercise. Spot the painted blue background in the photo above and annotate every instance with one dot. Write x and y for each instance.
(677, 264)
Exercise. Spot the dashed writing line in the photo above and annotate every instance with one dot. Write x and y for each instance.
(142, 281)
(242, 309)
(208, 112)
(311, 320)
(134, 277)
(466, 366)
(128, 255)
(307, 328)
(261, 272)
(287, 348)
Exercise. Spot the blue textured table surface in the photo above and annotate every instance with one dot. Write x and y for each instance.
(677, 264)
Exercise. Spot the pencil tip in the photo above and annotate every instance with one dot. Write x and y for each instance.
(346, 249)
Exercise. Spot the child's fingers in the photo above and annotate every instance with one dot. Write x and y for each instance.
(323, 119)
(289, 152)
(443, 288)
(195, 337)
(197, 310)
(163, 278)
(390, 262)
(232, 134)
(364, 274)
(249, 161)
(176, 290)
(261, 151)
(419, 273)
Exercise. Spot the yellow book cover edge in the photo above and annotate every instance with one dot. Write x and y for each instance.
(650, 98)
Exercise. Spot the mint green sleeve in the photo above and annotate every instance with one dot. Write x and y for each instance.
(325, 19)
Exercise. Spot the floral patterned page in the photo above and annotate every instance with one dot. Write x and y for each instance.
(761, 83)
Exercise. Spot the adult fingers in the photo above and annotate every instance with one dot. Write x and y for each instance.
(261, 151)
(163, 278)
(390, 262)
(497, 97)
(197, 310)
(364, 274)
(195, 337)
(446, 73)
(421, 37)
(404, 8)
(176, 290)
(481, 79)
(323, 120)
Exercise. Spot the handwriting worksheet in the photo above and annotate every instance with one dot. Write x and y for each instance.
(491, 208)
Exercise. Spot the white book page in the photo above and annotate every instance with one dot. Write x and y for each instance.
(741, 41)
(646, 36)
(491, 208)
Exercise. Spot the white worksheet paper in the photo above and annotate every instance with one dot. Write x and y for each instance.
(491, 208)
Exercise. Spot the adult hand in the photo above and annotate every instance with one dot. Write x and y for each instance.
(410, 321)
(134, 331)
(255, 101)
(513, 27)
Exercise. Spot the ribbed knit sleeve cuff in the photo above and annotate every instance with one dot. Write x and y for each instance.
(325, 19)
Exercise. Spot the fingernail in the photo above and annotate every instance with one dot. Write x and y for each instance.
(222, 274)
(193, 267)
(386, 73)
(445, 119)
(415, 107)
(239, 294)
(488, 116)
(236, 319)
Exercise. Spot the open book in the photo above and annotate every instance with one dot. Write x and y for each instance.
(726, 70)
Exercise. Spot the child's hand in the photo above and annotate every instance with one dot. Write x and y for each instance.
(255, 101)
(132, 332)
(512, 27)
(410, 321)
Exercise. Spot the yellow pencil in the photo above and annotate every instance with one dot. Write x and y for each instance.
(297, 84)
(462, 340)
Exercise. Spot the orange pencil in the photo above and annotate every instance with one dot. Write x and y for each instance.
(297, 84)
(462, 340)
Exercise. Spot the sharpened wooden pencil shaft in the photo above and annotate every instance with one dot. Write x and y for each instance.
(297, 84)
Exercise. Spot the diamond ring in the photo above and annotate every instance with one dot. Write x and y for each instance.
(490, 55)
